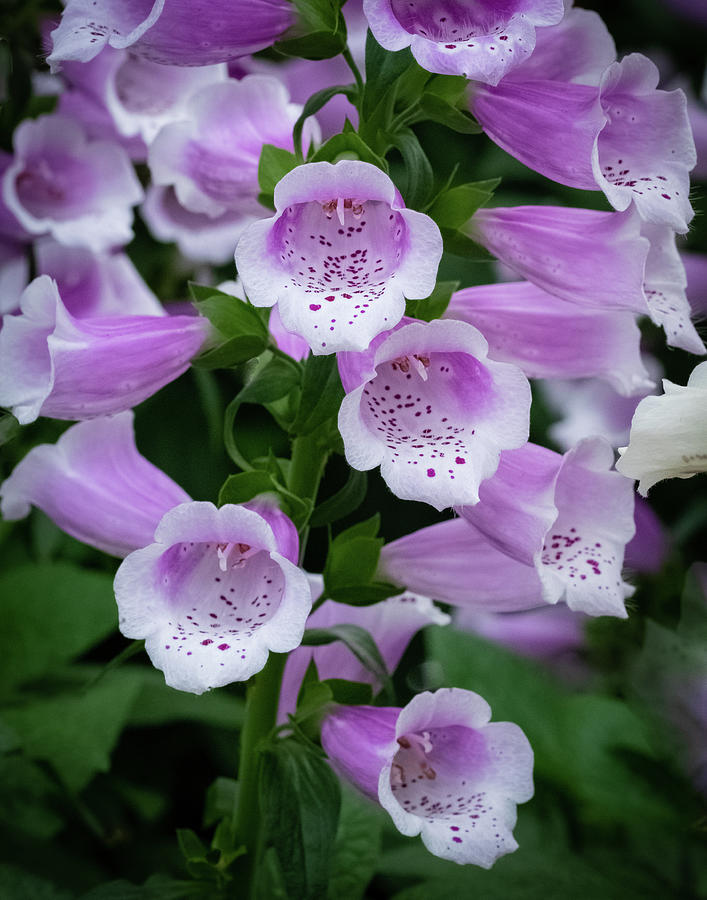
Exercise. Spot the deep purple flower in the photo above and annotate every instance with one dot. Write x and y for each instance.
(78, 190)
(340, 255)
(440, 768)
(427, 405)
(482, 40)
(212, 596)
(548, 528)
(549, 337)
(171, 32)
(53, 364)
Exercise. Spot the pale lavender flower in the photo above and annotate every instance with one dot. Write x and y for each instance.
(94, 484)
(440, 768)
(171, 32)
(212, 596)
(548, 337)
(211, 156)
(53, 364)
(623, 137)
(392, 624)
(550, 634)
(605, 260)
(101, 284)
(482, 41)
(427, 405)
(61, 183)
(548, 528)
(340, 255)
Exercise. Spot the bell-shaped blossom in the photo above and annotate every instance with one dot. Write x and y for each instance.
(211, 156)
(623, 137)
(597, 259)
(94, 484)
(200, 238)
(340, 255)
(212, 596)
(696, 272)
(78, 190)
(53, 364)
(140, 96)
(668, 434)
(14, 246)
(103, 284)
(440, 768)
(548, 528)
(427, 405)
(482, 41)
(392, 624)
(171, 32)
(548, 337)
(590, 408)
(289, 343)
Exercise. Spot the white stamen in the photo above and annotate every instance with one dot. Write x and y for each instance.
(340, 210)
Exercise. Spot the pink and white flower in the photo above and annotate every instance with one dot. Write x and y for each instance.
(440, 768)
(79, 191)
(483, 41)
(340, 255)
(427, 405)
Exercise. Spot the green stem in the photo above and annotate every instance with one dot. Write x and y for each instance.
(260, 717)
(346, 53)
(306, 470)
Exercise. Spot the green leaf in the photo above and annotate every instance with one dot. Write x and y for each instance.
(51, 613)
(439, 110)
(351, 146)
(366, 528)
(343, 502)
(454, 207)
(313, 105)
(315, 45)
(191, 845)
(230, 315)
(75, 731)
(434, 306)
(274, 380)
(231, 353)
(320, 31)
(243, 487)
(322, 394)
(300, 796)
(366, 594)
(459, 244)
(220, 800)
(351, 693)
(357, 848)
(383, 69)
(352, 564)
(273, 165)
(9, 428)
(358, 641)
(420, 178)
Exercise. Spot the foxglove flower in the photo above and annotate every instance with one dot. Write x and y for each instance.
(211, 156)
(648, 548)
(200, 238)
(548, 337)
(623, 137)
(392, 624)
(440, 768)
(78, 190)
(668, 434)
(339, 256)
(104, 284)
(548, 528)
(53, 364)
(548, 633)
(14, 245)
(94, 485)
(164, 31)
(140, 96)
(598, 259)
(212, 596)
(427, 405)
(482, 41)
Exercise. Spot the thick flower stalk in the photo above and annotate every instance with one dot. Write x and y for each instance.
(54, 364)
(340, 255)
(78, 190)
(427, 405)
(440, 768)
(483, 41)
(668, 434)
